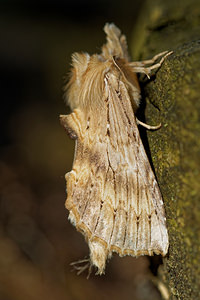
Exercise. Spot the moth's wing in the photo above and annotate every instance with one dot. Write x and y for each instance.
(112, 193)
(139, 225)
(89, 211)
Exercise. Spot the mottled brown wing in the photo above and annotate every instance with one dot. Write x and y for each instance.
(112, 193)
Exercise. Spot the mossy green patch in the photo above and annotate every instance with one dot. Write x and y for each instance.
(173, 98)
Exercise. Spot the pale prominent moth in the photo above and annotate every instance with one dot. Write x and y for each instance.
(112, 195)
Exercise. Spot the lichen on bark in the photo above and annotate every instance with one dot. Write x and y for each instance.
(173, 98)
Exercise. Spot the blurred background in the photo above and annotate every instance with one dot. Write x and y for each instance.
(37, 242)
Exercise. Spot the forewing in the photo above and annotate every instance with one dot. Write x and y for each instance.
(113, 196)
(140, 226)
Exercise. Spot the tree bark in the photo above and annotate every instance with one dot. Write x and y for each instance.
(172, 97)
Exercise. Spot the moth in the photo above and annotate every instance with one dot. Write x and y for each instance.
(113, 197)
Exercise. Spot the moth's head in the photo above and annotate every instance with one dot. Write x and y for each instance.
(86, 84)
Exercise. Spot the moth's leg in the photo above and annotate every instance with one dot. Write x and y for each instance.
(138, 67)
(72, 124)
(148, 126)
(148, 61)
(157, 65)
(81, 268)
(144, 70)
